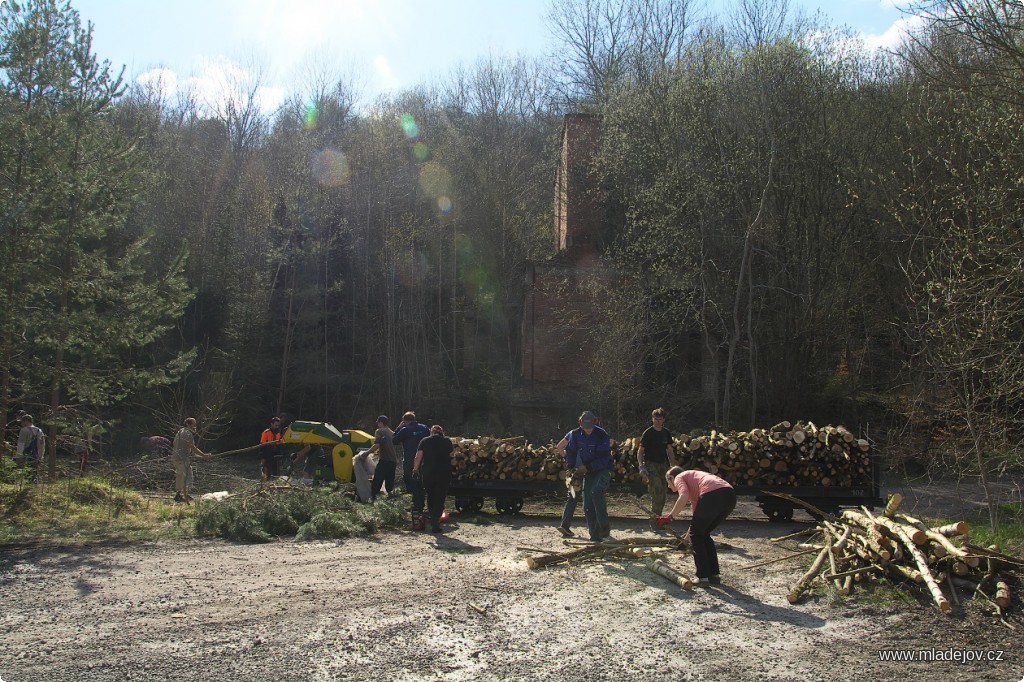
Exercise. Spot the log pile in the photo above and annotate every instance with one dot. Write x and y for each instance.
(787, 454)
(505, 459)
(860, 547)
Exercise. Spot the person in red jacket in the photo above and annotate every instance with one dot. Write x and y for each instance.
(269, 452)
(712, 500)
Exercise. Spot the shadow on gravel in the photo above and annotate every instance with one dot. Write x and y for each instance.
(752, 607)
(446, 543)
(91, 563)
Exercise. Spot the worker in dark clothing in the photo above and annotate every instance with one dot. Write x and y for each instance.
(270, 452)
(409, 435)
(434, 467)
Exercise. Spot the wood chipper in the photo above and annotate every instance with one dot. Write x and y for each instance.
(343, 446)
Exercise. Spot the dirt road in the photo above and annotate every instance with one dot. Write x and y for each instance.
(460, 606)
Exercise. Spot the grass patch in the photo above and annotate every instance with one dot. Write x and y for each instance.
(262, 515)
(91, 509)
(1009, 536)
(83, 510)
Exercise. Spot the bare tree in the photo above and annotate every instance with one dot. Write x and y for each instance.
(607, 42)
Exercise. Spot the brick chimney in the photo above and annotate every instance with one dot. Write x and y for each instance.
(577, 210)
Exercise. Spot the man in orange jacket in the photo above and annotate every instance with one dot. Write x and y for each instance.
(270, 452)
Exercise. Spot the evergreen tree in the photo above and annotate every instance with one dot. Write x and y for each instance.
(86, 307)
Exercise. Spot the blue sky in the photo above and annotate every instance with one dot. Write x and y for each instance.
(388, 44)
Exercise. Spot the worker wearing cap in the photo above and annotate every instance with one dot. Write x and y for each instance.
(588, 452)
(387, 460)
(433, 466)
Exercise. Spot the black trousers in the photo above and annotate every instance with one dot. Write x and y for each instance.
(435, 486)
(383, 474)
(412, 485)
(270, 461)
(711, 510)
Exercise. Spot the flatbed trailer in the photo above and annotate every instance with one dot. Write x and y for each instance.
(470, 494)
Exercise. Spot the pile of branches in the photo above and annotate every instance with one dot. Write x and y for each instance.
(653, 553)
(787, 454)
(860, 546)
(263, 513)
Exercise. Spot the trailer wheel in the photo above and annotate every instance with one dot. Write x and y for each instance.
(778, 514)
(508, 505)
(469, 505)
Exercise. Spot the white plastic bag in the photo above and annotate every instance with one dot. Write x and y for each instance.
(363, 468)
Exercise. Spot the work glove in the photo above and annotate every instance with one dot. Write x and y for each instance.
(663, 520)
(643, 472)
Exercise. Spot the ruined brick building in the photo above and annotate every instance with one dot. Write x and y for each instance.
(558, 324)
(554, 338)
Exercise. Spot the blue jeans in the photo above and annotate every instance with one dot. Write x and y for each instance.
(595, 507)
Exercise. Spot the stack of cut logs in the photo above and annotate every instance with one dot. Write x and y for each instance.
(860, 546)
(487, 458)
(787, 454)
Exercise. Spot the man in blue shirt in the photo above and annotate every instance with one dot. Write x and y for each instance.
(409, 434)
(588, 451)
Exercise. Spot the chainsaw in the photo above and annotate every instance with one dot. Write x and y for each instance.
(572, 482)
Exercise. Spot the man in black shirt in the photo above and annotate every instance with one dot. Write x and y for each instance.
(655, 455)
(434, 467)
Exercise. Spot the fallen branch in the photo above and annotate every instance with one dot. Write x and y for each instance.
(801, 585)
(776, 561)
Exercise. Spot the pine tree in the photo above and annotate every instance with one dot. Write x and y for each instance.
(86, 305)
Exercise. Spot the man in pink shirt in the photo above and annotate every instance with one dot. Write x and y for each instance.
(712, 500)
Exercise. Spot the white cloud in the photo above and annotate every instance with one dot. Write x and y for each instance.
(384, 72)
(893, 36)
(161, 80)
(217, 82)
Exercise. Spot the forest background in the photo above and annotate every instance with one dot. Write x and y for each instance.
(836, 232)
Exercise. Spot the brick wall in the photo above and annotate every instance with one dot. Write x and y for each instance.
(555, 340)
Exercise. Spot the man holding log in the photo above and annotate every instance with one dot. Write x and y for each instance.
(183, 448)
(588, 452)
(654, 455)
(716, 500)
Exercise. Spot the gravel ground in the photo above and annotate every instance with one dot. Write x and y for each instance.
(458, 606)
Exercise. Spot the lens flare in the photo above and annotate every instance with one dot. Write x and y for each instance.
(420, 151)
(309, 118)
(412, 131)
(330, 168)
(435, 180)
(444, 204)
